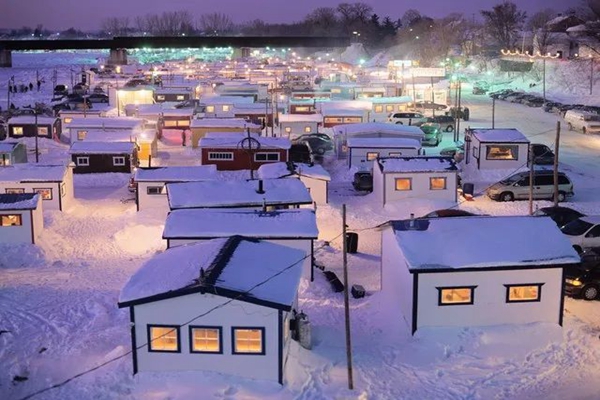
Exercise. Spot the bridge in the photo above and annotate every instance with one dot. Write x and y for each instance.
(118, 45)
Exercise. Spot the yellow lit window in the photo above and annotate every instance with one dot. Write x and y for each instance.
(403, 184)
(180, 97)
(45, 194)
(170, 123)
(183, 123)
(336, 90)
(307, 129)
(456, 295)
(523, 293)
(226, 108)
(42, 131)
(288, 129)
(14, 190)
(353, 120)
(163, 338)
(302, 109)
(389, 108)
(205, 340)
(68, 120)
(372, 156)
(18, 130)
(437, 183)
(11, 220)
(379, 109)
(248, 341)
(210, 109)
(160, 97)
(81, 135)
(394, 154)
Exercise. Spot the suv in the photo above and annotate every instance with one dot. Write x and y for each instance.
(584, 232)
(60, 90)
(516, 187)
(583, 121)
(319, 143)
(446, 121)
(406, 118)
(541, 154)
(300, 153)
(433, 134)
(583, 280)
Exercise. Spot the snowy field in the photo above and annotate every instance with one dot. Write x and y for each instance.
(59, 315)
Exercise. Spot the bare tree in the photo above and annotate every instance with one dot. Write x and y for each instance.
(504, 22)
(410, 17)
(537, 24)
(322, 21)
(215, 23)
(354, 16)
(169, 23)
(116, 26)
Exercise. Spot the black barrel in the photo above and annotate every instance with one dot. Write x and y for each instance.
(468, 189)
(352, 242)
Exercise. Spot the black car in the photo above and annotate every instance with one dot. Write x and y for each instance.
(450, 212)
(318, 143)
(430, 105)
(98, 98)
(542, 154)
(460, 112)
(300, 153)
(500, 94)
(363, 181)
(80, 89)
(61, 90)
(560, 215)
(445, 121)
(549, 105)
(534, 102)
(583, 280)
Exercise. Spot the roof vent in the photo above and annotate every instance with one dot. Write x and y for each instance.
(260, 189)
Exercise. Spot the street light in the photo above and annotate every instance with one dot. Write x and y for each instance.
(533, 57)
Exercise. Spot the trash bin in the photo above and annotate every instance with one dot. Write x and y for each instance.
(468, 189)
(352, 242)
(466, 114)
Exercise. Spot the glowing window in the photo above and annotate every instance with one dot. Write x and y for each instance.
(163, 338)
(307, 129)
(403, 184)
(523, 293)
(205, 339)
(17, 130)
(379, 109)
(389, 108)
(210, 109)
(456, 295)
(226, 108)
(180, 97)
(504, 152)
(288, 129)
(11, 220)
(42, 131)
(45, 193)
(372, 156)
(81, 135)
(248, 340)
(14, 190)
(437, 183)
(68, 120)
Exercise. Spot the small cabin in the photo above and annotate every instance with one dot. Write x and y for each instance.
(223, 106)
(302, 106)
(495, 149)
(146, 141)
(314, 176)
(12, 153)
(259, 114)
(294, 125)
(382, 107)
(174, 95)
(200, 127)
(362, 151)
(25, 126)
(233, 151)
(130, 95)
(79, 127)
(21, 218)
(102, 157)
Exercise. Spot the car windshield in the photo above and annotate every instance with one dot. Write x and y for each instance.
(510, 180)
(576, 228)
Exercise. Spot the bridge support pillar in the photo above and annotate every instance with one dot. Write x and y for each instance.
(117, 57)
(5, 59)
(241, 52)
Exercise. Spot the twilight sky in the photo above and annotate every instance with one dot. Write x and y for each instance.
(88, 14)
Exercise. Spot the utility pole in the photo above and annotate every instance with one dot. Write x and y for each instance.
(37, 134)
(544, 79)
(530, 159)
(8, 91)
(432, 96)
(556, 146)
(591, 75)
(346, 300)
(493, 112)
(459, 111)
(456, 112)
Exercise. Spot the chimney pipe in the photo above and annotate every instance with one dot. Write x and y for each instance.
(260, 187)
(411, 223)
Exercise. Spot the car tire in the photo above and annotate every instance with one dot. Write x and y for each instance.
(507, 196)
(578, 249)
(561, 197)
(449, 128)
(320, 151)
(399, 123)
(570, 126)
(590, 292)
(584, 130)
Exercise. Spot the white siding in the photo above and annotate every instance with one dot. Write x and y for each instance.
(48, 204)
(179, 310)
(490, 307)
(480, 149)
(420, 186)
(379, 184)
(69, 190)
(297, 128)
(17, 234)
(317, 188)
(156, 202)
(38, 221)
(396, 280)
(359, 155)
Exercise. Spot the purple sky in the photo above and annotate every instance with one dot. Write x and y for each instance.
(88, 14)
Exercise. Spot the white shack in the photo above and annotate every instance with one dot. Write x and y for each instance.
(452, 272)
(433, 178)
(246, 292)
(294, 125)
(314, 176)
(496, 148)
(21, 218)
(362, 151)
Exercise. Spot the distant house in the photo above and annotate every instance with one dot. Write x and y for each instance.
(256, 113)
(94, 157)
(294, 125)
(340, 116)
(433, 178)
(79, 127)
(269, 194)
(54, 183)
(67, 116)
(174, 95)
(150, 183)
(452, 272)
(292, 228)
(250, 288)
(146, 142)
(381, 107)
(314, 176)
(200, 127)
(362, 151)
(12, 153)
(25, 126)
(496, 148)
(223, 106)
(21, 218)
(177, 118)
(233, 151)
(302, 105)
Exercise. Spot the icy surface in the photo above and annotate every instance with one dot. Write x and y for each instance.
(33, 172)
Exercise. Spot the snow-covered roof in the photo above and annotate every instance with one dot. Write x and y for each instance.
(106, 123)
(85, 147)
(30, 119)
(178, 112)
(315, 171)
(232, 194)
(173, 90)
(223, 123)
(592, 219)
(33, 173)
(418, 164)
(233, 140)
(98, 135)
(334, 112)
(215, 100)
(330, 107)
(212, 223)
(177, 174)
(300, 118)
(145, 109)
(473, 242)
(20, 201)
(8, 147)
(251, 271)
(378, 128)
(499, 135)
(391, 100)
(384, 142)
(281, 170)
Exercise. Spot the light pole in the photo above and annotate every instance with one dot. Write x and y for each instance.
(532, 57)
(591, 74)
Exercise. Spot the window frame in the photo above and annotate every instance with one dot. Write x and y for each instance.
(16, 129)
(123, 164)
(389, 108)
(513, 146)
(210, 109)
(14, 190)
(177, 329)
(80, 164)
(307, 129)
(38, 190)
(440, 289)
(81, 134)
(160, 97)
(42, 131)
(63, 189)
(11, 215)
(378, 108)
(226, 107)
(161, 190)
(509, 286)
(68, 120)
(266, 154)
(288, 129)
(180, 97)
(445, 178)
(395, 154)
(402, 190)
(212, 158)
(191, 339)
(369, 155)
(263, 340)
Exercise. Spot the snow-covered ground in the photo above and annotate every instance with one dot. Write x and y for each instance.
(58, 313)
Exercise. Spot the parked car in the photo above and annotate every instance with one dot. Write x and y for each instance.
(583, 280)
(300, 153)
(450, 212)
(60, 90)
(460, 112)
(582, 121)
(534, 102)
(97, 98)
(363, 181)
(516, 187)
(446, 122)
(457, 151)
(584, 232)
(136, 82)
(98, 90)
(190, 103)
(406, 118)
(500, 94)
(80, 89)
(433, 134)
(430, 105)
(319, 143)
(549, 106)
(560, 215)
(481, 87)
(541, 154)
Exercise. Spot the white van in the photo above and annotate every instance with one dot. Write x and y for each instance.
(406, 118)
(582, 121)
